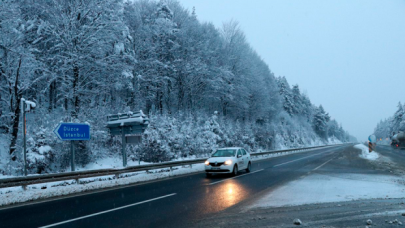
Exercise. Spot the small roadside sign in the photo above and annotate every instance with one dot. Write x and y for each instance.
(73, 131)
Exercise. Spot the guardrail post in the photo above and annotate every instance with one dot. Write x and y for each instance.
(24, 187)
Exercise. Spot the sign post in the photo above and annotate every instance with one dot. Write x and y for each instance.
(72, 155)
(72, 132)
(372, 142)
(25, 136)
(124, 151)
(130, 127)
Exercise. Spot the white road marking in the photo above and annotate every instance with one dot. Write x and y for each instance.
(134, 184)
(298, 159)
(235, 177)
(323, 164)
(45, 200)
(103, 212)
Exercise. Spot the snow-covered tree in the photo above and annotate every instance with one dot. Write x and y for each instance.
(321, 119)
(397, 118)
(19, 70)
(286, 96)
(81, 60)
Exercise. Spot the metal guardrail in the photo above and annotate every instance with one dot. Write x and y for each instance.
(46, 178)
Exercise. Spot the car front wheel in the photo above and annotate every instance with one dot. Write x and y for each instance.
(249, 167)
(235, 170)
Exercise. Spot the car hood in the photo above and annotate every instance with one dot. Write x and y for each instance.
(219, 159)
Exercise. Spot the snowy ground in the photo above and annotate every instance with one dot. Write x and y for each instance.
(327, 187)
(116, 162)
(365, 152)
(109, 162)
(319, 188)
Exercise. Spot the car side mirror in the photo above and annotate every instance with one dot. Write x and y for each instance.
(239, 155)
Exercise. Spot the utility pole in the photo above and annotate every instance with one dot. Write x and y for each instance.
(30, 105)
(25, 135)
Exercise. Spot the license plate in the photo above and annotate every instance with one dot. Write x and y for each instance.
(215, 168)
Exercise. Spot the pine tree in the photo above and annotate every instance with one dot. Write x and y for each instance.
(320, 121)
(286, 95)
(297, 100)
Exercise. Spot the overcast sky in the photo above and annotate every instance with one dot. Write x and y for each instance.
(348, 55)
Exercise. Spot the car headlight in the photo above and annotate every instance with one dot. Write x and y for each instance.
(228, 162)
(207, 162)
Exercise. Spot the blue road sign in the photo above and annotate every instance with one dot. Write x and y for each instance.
(72, 131)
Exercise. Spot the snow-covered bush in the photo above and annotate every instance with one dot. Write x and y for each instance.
(40, 155)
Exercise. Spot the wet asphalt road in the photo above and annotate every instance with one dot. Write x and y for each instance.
(384, 211)
(174, 202)
(394, 154)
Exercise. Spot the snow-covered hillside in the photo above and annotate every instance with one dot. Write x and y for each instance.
(202, 87)
(387, 128)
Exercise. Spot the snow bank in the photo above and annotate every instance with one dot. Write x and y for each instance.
(334, 140)
(109, 162)
(318, 188)
(365, 153)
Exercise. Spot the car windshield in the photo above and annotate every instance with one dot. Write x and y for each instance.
(224, 153)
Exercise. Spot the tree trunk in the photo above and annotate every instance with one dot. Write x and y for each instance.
(75, 92)
(51, 96)
(16, 122)
(17, 111)
(180, 95)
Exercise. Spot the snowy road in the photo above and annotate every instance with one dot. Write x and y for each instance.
(175, 202)
(344, 191)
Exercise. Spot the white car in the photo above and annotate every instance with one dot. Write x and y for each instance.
(228, 160)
